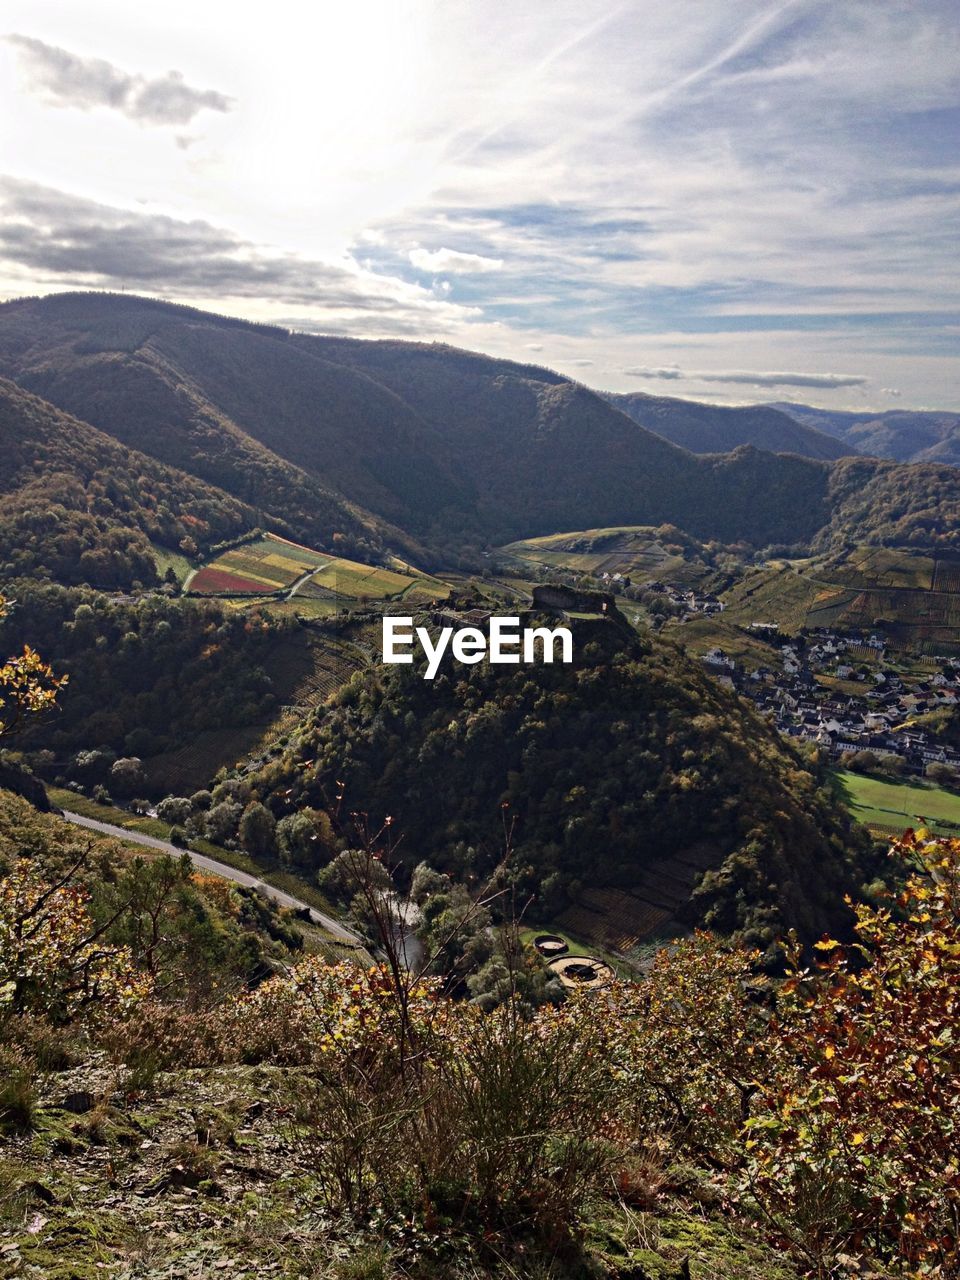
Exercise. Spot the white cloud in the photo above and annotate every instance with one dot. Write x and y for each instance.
(827, 381)
(453, 261)
(646, 371)
(727, 185)
(63, 239)
(73, 81)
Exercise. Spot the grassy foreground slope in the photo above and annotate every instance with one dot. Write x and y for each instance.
(169, 1107)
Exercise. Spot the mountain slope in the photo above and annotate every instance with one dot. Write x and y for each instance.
(107, 363)
(449, 445)
(84, 507)
(406, 444)
(707, 428)
(902, 434)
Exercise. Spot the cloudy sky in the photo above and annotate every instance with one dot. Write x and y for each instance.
(732, 200)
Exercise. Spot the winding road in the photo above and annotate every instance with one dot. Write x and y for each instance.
(203, 863)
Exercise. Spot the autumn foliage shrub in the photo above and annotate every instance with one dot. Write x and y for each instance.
(686, 1046)
(855, 1142)
(53, 957)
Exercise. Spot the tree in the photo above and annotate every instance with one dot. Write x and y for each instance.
(220, 823)
(126, 774)
(258, 830)
(893, 766)
(864, 761)
(174, 810)
(306, 838)
(27, 686)
(944, 775)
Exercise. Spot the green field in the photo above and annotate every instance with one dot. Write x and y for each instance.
(894, 806)
(166, 559)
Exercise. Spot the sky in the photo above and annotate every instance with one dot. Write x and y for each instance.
(735, 201)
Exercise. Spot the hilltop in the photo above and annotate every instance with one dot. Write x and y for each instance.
(634, 771)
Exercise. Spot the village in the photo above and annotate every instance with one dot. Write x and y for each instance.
(842, 693)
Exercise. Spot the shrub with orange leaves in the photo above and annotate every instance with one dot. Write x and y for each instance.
(318, 1009)
(27, 686)
(53, 957)
(855, 1144)
(686, 1045)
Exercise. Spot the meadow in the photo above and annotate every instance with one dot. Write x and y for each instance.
(892, 807)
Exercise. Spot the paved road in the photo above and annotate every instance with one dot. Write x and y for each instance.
(304, 577)
(203, 863)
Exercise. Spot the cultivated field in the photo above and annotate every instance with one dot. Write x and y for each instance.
(634, 551)
(273, 567)
(914, 600)
(266, 566)
(884, 567)
(772, 595)
(701, 634)
(614, 920)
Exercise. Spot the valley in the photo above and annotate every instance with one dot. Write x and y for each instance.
(276, 596)
(763, 696)
(479, 641)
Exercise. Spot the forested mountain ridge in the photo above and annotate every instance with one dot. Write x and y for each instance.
(905, 435)
(112, 371)
(709, 428)
(409, 445)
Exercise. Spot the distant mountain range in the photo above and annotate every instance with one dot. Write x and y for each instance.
(421, 447)
(707, 428)
(905, 435)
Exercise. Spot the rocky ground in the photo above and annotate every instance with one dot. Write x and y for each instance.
(202, 1174)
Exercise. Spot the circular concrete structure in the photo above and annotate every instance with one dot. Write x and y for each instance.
(549, 944)
(582, 972)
